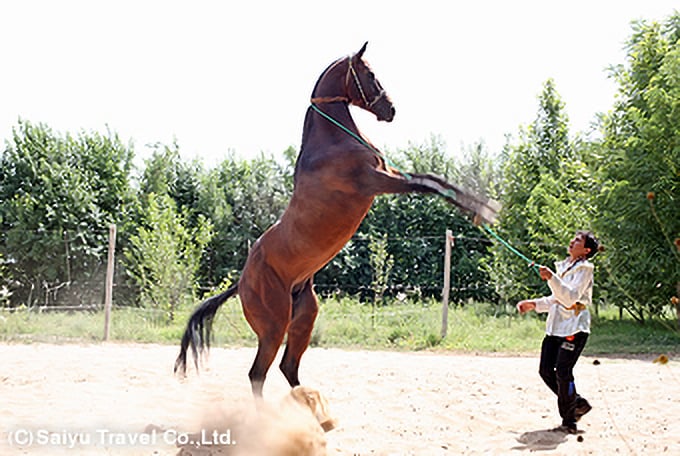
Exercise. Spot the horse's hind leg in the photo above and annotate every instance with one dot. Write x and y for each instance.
(267, 348)
(269, 315)
(305, 309)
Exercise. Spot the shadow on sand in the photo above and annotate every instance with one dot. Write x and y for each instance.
(543, 440)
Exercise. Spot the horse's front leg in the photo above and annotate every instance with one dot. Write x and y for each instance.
(380, 181)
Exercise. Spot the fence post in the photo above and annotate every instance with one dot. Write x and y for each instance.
(447, 282)
(108, 296)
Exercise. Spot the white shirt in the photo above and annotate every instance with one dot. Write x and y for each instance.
(570, 284)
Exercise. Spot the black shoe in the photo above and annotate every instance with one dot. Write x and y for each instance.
(582, 407)
(566, 429)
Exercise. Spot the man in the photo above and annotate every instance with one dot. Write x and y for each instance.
(567, 325)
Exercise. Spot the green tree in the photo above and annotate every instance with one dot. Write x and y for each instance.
(543, 195)
(164, 255)
(479, 171)
(381, 263)
(166, 174)
(58, 194)
(639, 170)
(242, 198)
(430, 157)
(4, 282)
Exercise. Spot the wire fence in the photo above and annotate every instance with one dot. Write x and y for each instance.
(343, 322)
(71, 276)
(97, 297)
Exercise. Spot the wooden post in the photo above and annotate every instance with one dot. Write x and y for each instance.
(447, 282)
(108, 296)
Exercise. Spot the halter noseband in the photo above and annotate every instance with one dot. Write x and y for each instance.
(350, 70)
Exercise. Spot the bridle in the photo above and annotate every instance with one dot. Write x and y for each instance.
(346, 99)
(357, 82)
(377, 98)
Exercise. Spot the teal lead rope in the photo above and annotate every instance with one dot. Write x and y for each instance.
(361, 140)
(530, 263)
(445, 192)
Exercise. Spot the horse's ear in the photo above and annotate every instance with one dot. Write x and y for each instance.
(362, 50)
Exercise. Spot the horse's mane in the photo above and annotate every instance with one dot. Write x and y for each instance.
(331, 66)
(306, 126)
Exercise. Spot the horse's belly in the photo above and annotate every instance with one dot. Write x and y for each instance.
(301, 244)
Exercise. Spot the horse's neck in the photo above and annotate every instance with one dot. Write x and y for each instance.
(316, 124)
(319, 131)
(329, 86)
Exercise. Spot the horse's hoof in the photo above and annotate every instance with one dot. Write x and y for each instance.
(328, 425)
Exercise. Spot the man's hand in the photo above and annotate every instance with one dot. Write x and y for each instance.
(526, 305)
(545, 273)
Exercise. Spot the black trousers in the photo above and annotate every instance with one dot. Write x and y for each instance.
(558, 358)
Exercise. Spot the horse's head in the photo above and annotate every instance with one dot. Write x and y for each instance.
(350, 80)
(364, 89)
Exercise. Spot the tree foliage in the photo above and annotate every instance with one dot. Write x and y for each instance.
(544, 197)
(242, 198)
(381, 263)
(164, 255)
(58, 194)
(639, 172)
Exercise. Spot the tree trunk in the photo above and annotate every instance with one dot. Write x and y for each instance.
(677, 304)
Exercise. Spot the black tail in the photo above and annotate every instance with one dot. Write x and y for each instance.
(198, 329)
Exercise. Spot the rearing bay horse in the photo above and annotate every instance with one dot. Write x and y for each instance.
(337, 175)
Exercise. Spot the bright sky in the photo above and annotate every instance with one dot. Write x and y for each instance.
(220, 75)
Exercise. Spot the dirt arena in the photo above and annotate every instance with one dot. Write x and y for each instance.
(112, 399)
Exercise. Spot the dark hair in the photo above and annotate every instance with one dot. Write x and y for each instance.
(590, 242)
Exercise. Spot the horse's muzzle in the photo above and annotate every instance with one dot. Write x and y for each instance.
(385, 113)
(382, 107)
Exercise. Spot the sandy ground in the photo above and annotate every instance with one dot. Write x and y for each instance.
(108, 398)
